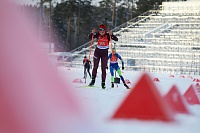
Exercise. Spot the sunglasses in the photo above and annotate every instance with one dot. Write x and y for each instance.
(101, 29)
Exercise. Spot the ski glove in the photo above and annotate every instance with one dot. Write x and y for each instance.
(122, 67)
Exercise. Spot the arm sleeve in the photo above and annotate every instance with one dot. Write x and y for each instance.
(120, 59)
(113, 37)
(109, 56)
(91, 34)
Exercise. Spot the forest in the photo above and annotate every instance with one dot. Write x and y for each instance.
(72, 20)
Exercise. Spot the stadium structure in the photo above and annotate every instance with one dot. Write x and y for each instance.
(165, 40)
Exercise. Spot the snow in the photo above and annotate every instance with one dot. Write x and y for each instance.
(101, 104)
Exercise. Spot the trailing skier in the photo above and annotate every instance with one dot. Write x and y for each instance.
(86, 64)
(114, 66)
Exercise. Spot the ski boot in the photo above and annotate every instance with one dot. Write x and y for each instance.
(112, 85)
(92, 82)
(127, 87)
(103, 85)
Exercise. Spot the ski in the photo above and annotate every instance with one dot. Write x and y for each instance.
(90, 87)
(86, 86)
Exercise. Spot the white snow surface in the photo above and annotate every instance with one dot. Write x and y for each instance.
(101, 104)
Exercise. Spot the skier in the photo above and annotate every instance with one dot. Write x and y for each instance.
(101, 52)
(86, 64)
(114, 65)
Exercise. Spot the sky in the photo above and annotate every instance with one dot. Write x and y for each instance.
(27, 1)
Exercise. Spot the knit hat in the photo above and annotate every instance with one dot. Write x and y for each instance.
(102, 26)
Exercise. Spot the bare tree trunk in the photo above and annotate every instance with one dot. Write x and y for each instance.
(40, 20)
(75, 29)
(50, 9)
(132, 9)
(113, 13)
(67, 46)
(79, 17)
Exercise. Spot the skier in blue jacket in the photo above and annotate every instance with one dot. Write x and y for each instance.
(114, 66)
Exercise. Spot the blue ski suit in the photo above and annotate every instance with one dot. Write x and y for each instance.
(114, 65)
